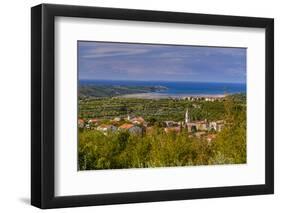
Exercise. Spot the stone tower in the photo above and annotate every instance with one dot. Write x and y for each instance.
(187, 120)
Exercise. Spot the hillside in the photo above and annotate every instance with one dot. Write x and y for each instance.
(98, 91)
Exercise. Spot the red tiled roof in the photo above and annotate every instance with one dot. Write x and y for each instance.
(211, 136)
(126, 126)
(172, 129)
(105, 126)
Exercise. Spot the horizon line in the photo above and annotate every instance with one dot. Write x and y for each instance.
(163, 81)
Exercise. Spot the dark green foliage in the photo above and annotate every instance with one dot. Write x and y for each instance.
(231, 143)
(111, 91)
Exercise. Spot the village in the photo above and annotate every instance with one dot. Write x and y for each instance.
(139, 126)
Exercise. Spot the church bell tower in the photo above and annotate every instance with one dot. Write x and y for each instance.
(187, 120)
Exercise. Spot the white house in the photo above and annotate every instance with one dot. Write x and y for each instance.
(107, 128)
(137, 120)
(81, 123)
(171, 123)
(216, 125)
(117, 119)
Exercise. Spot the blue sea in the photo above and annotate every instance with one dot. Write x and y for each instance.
(178, 88)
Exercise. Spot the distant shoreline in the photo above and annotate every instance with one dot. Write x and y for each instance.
(156, 90)
(162, 96)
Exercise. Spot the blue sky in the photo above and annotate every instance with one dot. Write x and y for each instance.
(143, 62)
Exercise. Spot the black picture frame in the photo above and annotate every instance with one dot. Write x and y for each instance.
(43, 110)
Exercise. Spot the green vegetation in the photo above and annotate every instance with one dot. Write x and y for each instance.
(157, 109)
(231, 143)
(86, 91)
(156, 148)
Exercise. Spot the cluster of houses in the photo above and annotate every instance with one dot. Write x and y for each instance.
(203, 98)
(198, 128)
(137, 125)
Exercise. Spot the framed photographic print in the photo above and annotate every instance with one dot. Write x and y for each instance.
(139, 106)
